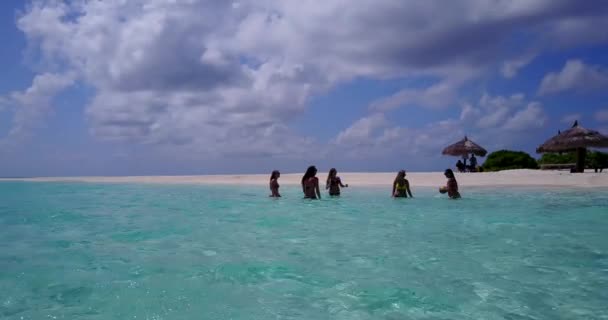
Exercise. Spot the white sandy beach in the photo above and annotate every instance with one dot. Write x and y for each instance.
(520, 178)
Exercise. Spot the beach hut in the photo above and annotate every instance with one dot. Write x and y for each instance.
(576, 139)
(464, 148)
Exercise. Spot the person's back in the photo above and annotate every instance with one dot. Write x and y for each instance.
(310, 185)
(334, 186)
(401, 186)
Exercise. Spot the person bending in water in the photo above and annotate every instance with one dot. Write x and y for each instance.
(274, 184)
(334, 183)
(452, 186)
(310, 184)
(401, 187)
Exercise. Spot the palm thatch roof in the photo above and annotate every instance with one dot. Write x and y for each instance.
(574, 138)
(464, 147)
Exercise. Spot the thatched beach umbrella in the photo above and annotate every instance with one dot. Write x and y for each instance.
(463, 148)
(576, 139)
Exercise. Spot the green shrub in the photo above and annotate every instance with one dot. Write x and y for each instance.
(556, 158)
(507, 159)
(596, 159)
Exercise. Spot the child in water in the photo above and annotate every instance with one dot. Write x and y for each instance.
(334, 183)
(274, 184)
(401, 187)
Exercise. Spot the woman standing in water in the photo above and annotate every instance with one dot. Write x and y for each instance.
(452, 186)
(310, 184)
(334, 183)
(274, 184)
(401, 187)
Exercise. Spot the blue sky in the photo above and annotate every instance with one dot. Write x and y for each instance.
(200, 87)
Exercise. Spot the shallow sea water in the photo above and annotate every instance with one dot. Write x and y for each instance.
(128, 251)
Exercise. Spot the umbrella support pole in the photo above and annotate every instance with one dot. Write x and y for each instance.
(581, 154)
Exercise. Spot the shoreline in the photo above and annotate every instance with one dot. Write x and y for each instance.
(508, 178)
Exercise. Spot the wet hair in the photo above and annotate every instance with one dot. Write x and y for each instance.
(449, 173)
(274, 174)
(310, 172)
(332, 173)
(400, 174)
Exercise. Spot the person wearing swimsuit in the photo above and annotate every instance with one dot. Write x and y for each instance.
(334, 183)
(452, 185)
(274, 184)
(310, 184)
(401, 187)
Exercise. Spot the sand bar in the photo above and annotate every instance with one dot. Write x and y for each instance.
(521, 178)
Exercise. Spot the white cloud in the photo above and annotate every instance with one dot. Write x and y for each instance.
(32, 105)
(510, 68)
(438, 95)
(228, 78)
(576, 75)
(585, 30)
(602, 115)
(532, 116)
(492, 111)
(503, 114)
(497, 121)
(362, 131)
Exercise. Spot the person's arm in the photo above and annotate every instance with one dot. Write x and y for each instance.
(317, 189)
(409, 191)
(341, 184)
(394, 187)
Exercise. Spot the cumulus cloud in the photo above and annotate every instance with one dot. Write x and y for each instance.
(493, 118)
(442, 94)
(576, 75)
(362, 130)
(510, 68)
(32, 105)
(229, 77)
(532, 116)
(584, 30)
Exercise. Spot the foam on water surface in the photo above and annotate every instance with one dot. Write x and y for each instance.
(112, 251)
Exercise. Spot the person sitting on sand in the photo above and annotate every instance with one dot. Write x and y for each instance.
(274, 184)
(452, 186)
(310, 184)
(334, 183)
(460, 166)
(401, 187)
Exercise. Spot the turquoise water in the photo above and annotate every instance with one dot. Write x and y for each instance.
(106, 251)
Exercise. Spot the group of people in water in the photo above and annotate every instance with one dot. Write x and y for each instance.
(401, 186)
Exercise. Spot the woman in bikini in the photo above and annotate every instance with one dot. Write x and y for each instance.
(401, 187)
(310, 184)
(274, 184)
(334, 183)
(452, 186)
